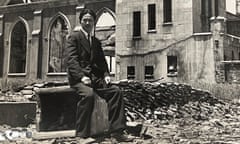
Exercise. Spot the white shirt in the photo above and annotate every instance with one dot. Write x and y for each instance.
(86, 35)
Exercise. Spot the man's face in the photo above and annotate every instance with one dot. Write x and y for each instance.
(87, 23)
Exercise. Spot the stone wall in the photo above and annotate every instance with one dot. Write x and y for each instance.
(164, 34)
(195, 61)
(232, 70)
(199, 48)
(220, 73)
(227, 69)
(231, 47)
(147, 49)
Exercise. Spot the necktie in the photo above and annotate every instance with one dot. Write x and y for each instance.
(89, 39)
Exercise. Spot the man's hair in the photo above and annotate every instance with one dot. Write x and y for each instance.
(87, 11)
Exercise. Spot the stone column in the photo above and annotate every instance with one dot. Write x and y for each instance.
(36, 47)
(1, 45)
(3, 54)
(238, 7)
(79, 8)
(218, 25)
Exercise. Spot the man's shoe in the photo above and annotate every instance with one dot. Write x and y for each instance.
(121, 137)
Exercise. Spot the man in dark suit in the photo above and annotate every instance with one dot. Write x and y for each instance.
(89, 75)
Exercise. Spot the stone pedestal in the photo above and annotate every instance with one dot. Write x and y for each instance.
(58, 110)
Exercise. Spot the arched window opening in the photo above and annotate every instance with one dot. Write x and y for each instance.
(18, 49)
(105, 28)
(105, 32)
(105, 20)
(57, 54)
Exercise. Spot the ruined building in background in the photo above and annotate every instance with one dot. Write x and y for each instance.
(180, 40)
(34, 32)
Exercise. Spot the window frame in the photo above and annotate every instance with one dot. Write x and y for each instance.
(216, 8)
(21, 74)
(146, 75)
(151, 17)
(167, 11)
(137, 21)
(131, 76)
(174, 61)
(65, 19)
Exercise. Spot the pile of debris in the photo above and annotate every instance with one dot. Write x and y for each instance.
(145, 101)
(27, 92)
(171, 113)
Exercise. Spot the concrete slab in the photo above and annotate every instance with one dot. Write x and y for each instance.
(53, 134)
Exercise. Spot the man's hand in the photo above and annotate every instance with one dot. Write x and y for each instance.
(107, 79)
(86, 80)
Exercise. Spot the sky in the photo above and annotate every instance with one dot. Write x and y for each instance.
(105, 20)
(231, 6)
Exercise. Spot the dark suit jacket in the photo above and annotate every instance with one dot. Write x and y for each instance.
(83, 60)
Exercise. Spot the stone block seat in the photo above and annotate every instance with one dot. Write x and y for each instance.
(58, 105)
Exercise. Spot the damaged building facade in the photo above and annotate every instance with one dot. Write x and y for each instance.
(178, 40)
(34, 33)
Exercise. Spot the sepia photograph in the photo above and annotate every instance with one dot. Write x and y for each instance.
(120, 71)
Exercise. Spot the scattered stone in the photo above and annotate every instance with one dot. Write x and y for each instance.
(165, 113)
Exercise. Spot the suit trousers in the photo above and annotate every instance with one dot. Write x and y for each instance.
(85, 104)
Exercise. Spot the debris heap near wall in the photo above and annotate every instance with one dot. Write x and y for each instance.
(157, 100)
(145, 101)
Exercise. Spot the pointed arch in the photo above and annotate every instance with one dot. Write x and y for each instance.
(105, 13)
(54, 18)
(105, 9)
(18, 46)
(25, 22)
(58, 31)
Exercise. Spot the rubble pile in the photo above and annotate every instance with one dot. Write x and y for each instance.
(27, 92)
(12, 97)
(145, 101)
(168, 112)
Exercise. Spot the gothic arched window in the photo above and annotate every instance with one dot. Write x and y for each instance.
(18, 49)
(105, 19)
(57, 54)
(105, 32)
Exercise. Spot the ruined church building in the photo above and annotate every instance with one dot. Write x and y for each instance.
(178, 40)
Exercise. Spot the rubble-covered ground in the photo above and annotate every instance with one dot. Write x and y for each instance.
(168, 113)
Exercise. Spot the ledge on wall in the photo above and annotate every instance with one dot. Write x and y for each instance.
(167, 24)
(175, 74)
(231, 62)
(137, 38)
